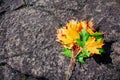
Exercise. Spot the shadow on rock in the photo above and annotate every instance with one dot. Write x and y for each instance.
(42, 78)
(105, 57)
(36, 78)
(1, 1)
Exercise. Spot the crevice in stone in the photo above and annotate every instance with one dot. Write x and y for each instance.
(25, 75)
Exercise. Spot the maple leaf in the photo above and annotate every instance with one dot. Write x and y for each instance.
(68, 34)
(93, 46)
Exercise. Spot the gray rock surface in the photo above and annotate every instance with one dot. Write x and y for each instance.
(9, 5)
(8, 73)
(28, 47)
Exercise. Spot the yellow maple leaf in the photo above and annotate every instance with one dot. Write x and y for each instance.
(92, 45)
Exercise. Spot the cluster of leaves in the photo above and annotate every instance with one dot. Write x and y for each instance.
(84, 38)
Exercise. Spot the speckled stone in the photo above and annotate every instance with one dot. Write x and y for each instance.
(30, 45)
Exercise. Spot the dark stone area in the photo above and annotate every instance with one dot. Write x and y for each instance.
(9, 5)
(28, 50)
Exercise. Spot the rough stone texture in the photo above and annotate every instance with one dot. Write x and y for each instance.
(8, 73)
(30, 40)
(28, 46)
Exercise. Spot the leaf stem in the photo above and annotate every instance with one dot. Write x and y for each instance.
(75, 51)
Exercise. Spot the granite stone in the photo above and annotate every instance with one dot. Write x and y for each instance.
(28, 40)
